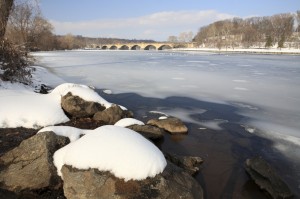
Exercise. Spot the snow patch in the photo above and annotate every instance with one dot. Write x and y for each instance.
(129, 122)
(109, 92)
(163, 118)
(158, 112)
(121, 151)
(249, 129)
(240, 88)
(240, 80)
(213, 124)
(202, 128)
(29, 109)
(24, 108)
(178, 78)
(72, 133)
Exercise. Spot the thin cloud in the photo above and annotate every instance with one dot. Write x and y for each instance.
(156, 26)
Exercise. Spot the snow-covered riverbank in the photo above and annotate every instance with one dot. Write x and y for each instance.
(190, 76)
(291, 51)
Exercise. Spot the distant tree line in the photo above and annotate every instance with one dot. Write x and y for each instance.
(276, 30)
(182, 39)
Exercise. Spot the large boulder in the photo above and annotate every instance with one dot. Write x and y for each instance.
(30, 165)
(266, 178)
(94, 184)
(148, 131)
(171, 124)
(189, 163)
(112, 114)
(77, 107)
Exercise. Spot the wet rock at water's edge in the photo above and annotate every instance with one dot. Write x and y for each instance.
(189, 163)
(266, 178)
(148, 131)
(171, 124)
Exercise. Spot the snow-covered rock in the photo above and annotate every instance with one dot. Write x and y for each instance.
(85, 92)
(77, 107)
(25, 108)
(121, 151)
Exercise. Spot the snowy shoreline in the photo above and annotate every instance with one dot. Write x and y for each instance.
(42, 75)
(275, 51)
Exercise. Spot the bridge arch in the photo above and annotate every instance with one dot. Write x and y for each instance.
(113, 47)
(135, 47)
(150, 47)
(104, 48)
(164, 47)
(124, 47)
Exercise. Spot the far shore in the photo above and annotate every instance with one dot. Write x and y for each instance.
(262, 51)
(290, 51)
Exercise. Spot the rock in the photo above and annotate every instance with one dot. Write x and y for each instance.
(92, 184)
(43, 89)
(30, 165)
(189, 163)
(170, 124)
(148, 131)
(112, 114)
(266, 178)
(77, 107)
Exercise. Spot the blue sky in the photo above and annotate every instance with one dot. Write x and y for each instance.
(151, 19)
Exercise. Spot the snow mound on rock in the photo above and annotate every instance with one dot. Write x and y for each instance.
(128, 122)
(121, 151)
(85, 92)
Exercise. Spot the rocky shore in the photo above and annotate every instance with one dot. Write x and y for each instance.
(28, 171)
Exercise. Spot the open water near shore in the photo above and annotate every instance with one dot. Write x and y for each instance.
(236, 106)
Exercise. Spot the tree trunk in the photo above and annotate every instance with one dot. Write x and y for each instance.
(5, 7)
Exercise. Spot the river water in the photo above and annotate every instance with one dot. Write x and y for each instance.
(236, 106)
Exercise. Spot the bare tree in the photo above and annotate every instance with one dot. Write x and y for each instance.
(298, 20)
(14, 60)
(26, 25)
(172, 39)
(5, 8)
(283, 26)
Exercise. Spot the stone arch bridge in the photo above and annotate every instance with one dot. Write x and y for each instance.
(137, 46)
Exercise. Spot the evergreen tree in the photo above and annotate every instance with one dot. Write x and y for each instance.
(281, 41)
(269, 42)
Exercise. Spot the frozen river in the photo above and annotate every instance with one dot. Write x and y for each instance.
(264, 89)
